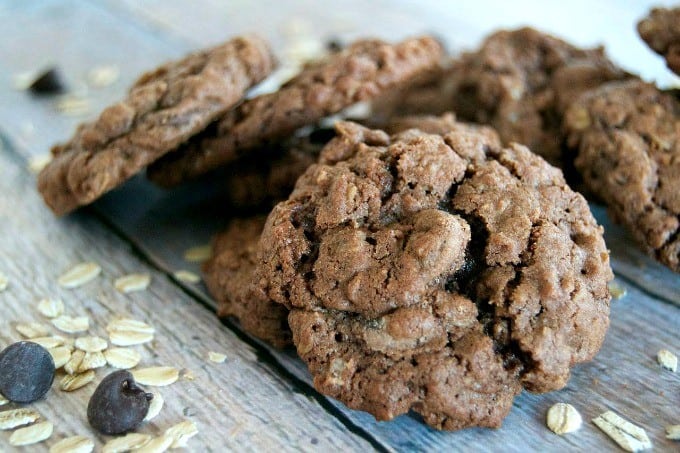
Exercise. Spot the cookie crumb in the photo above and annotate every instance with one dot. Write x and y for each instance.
(563, 418)
(186, 276)
(198, 254)
(31, 434)
(673, 432)
(132, 282)
(627, 435)
(216, 357)
(79, 275)
(667, 360)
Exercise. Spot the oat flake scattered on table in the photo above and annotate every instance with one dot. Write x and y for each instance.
(156, 376)
(79, 275)
(32, 330)
(61, 355)
(155, 406)
(13, 418)
(181, 433)
(4, 282)
(73, 444)
(91, 344)
(51, 308)
(72, 382)
(563, 418)
(132, 282)
(216, 357)
(667, 360)
(70, 324)
(198, 254)
(186, 276)
(31, 434)
(123, 358)
(131, 441)
(629, 436)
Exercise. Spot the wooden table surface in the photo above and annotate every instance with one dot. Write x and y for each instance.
(259, 398)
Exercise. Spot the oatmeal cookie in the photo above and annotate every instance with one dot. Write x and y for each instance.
(360, 72)
(625, 140)
(440, 273)
(161, 111)
(661, 31)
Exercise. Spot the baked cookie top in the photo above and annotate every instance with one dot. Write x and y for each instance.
(661, 31)
(626, 141)
(229, 276)
(162, 110)
(520, 82)
(360, 72)
(436, 272)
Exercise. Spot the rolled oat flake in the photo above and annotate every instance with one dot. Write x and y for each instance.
(118, 405)
(26, 372)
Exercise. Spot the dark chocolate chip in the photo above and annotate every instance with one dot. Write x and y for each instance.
(48, 82)
(26, 372)
(334, 45)
(118, 405)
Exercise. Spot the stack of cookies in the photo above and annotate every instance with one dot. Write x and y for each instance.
(416, 262)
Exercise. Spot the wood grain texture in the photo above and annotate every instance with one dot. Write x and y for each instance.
(243, 403)
(161, 225)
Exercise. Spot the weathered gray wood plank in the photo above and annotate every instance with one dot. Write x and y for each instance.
(243, 403)
(153, 219)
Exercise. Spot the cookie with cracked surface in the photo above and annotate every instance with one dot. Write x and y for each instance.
(520, 82)
(661, 31)
(229, 275)
(625, 137)
(360, 72)
(440, 273)
(161, 111)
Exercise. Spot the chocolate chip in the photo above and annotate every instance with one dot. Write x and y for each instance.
(118, 405)
(26, 372)
(48, 82)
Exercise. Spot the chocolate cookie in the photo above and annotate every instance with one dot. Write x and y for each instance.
(661, 31)
(162, 110)
(520, 82)
(360, 72)
(626, 141)
(229, 275)
(438, 273)
(268, 176)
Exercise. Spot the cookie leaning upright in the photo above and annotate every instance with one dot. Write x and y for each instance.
(436, 272)
(625, 137)
(161, 111)
(661, 31)
(363, 71)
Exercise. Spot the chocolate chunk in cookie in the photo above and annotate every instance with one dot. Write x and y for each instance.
(229, 275)
(440, 273)
(357, 73)
(661, 31)
(162, 110)
(626, 141)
